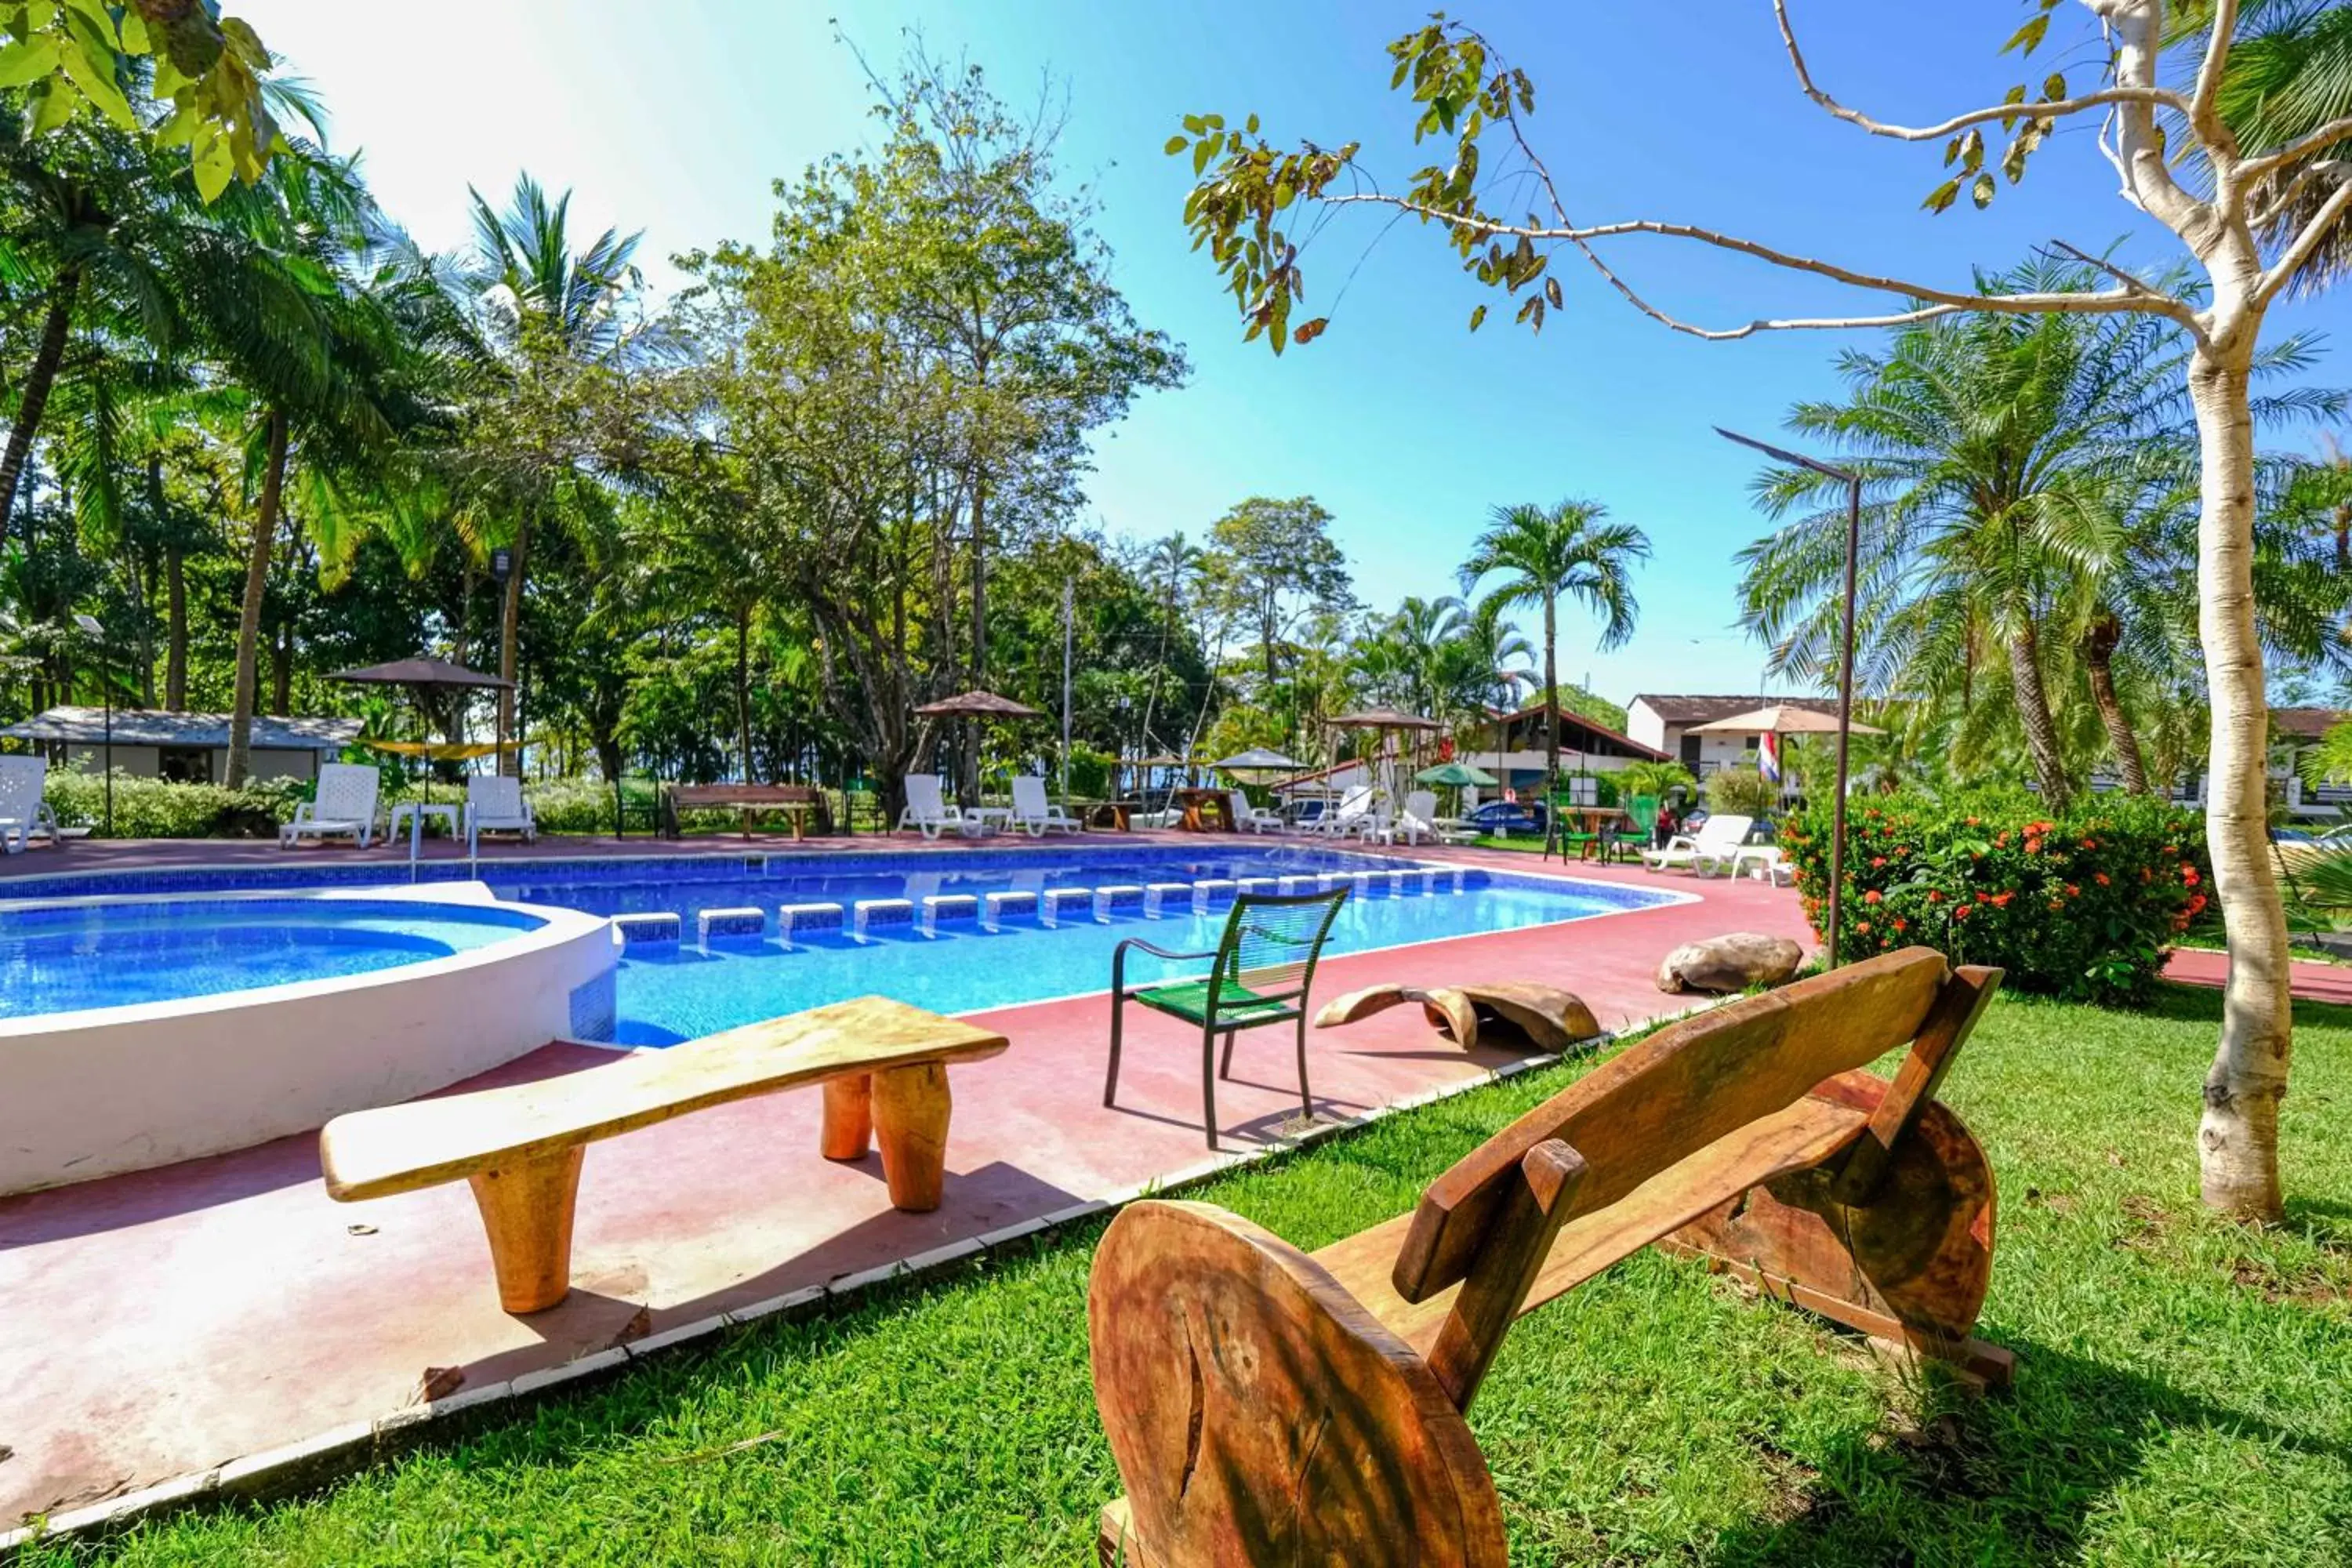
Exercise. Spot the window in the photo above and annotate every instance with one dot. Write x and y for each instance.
(183, 765)
(1691, 744)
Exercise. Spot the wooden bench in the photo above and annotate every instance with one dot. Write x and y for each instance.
(1263, 1405)
(883, 1065)
(801, 803)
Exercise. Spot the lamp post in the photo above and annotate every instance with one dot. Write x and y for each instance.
(502, 568)
(1852, 482)
(90, 628)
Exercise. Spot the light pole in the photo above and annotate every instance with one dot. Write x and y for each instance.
(502, 568)
(90, 628)
(1852, 482)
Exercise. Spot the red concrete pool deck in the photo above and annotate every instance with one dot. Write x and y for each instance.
(2309, 981)
(167, 1321)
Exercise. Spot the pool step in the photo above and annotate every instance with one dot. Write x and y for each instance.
(1211, 890)
(1118, 896)
(798, 921)
(873, 914)
(1057, 903)
(950, 908)
(1159, 896)
(1261, 885)
(995, 906)
(638, 931)
(742, 925)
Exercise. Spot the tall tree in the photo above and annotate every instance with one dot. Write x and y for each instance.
(1271, 559)
(2254, 199)
(549, 310)
(1541, 555)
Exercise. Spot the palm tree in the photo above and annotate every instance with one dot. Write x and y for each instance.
(1547, 553)
(547, 311)
(2026, 480)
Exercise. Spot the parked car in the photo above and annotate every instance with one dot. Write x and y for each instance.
(1506, 819)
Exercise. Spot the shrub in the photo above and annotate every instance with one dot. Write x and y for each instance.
(585, 806)
(2085, 904)
(1742, 792)
(151, 808)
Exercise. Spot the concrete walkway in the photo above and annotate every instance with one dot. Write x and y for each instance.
(168, 1322)
(2311, 982)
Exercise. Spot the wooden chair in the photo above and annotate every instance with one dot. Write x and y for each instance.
(1264, 965)
(884, 1065)
(1267, 1406)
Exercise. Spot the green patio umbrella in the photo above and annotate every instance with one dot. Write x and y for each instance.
(1456, 774)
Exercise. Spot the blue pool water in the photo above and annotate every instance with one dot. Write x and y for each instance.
(670, 992)
(56, 958)
(63, 958)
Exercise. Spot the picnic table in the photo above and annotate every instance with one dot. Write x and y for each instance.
(798, 802)
(1205, 810)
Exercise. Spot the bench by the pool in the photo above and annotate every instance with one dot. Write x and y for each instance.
(883, 1065)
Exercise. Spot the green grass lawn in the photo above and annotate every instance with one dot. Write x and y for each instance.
(2184, 1393)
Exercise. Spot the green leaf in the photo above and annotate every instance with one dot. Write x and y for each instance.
(2053, 87)
(24, 63)
(1193, 123)
(1981, 191)
(1477, 318)
(2028, 38)
(214, 169)
(51, 108)
(1251, 125)
(1176, 144)
(1202, 151)
(1942, 196)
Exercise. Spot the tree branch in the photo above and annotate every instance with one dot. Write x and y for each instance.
(2202, 116)
(2146, 96)
(2110, 303)
(2328, 168)
(2136, 285)
(2281, 271)
(2301, 147)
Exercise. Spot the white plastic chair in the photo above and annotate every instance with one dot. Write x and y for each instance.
(22, 811)
(345, 806)
(1348, 817)
(1420, 816)
(927, 809)
(1717, 839)
(1033, 811)
(1250, 817)
(494, 804)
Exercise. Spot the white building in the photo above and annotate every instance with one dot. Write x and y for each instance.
(1665, 723)
(185, 748)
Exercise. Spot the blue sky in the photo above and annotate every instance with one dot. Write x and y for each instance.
(675, 119)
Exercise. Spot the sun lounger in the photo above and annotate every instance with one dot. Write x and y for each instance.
(1716, 839)
(344, 807)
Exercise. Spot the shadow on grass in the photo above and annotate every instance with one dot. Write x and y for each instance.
(2015, 1477)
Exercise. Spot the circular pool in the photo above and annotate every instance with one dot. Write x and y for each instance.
(140, 1031)
(64, 958)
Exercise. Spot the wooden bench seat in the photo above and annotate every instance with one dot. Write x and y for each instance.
(883, 1065)
(1263, 1405)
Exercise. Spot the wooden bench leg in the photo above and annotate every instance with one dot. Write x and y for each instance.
(911, 1123)
(527, 1210)
(849, 1116)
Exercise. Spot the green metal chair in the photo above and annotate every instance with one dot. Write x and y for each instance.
(1641, 818)
(1264, 964)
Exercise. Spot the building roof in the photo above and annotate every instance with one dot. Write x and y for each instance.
(1570, 717)
(1685, 711)
(149, 727)
(2307, 724)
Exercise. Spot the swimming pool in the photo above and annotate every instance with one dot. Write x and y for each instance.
(65, 957)
(673, 990)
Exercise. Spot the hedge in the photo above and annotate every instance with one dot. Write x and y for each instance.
(151, 808)
(2083, 904)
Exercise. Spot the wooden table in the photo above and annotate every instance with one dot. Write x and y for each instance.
(1200, 805)
(1115, 815)
(1593, 819)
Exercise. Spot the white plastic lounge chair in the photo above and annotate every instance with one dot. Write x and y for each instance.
(494, 804)
(1350, 816)
(345, 806)
(1420, 816)
(1033, 811)
(927, 809)
(1250, 818)
(1767, 862)
(1717, 839)
(22, 811)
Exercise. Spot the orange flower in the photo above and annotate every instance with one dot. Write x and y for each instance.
(1861, 925)
(1876, 861)
(1934, 897)
(1961, 913)
(2188, 874)
(1871, 897)
(2074, 890)
(2100, 878)
(1901, 925)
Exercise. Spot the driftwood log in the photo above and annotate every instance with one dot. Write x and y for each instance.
(1503, 1012)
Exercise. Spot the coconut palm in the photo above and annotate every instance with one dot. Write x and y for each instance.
(1543, 554)
(548, 311)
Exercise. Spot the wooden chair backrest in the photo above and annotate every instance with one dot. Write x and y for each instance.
(1673, 1094)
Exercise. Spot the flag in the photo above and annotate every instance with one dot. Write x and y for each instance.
(1768, 757)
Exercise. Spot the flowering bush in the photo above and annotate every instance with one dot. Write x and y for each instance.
(2083, 905)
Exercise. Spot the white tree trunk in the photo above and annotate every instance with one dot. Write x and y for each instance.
(2238, 1138)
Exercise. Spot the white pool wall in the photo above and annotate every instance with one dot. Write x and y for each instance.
(109, 1089)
